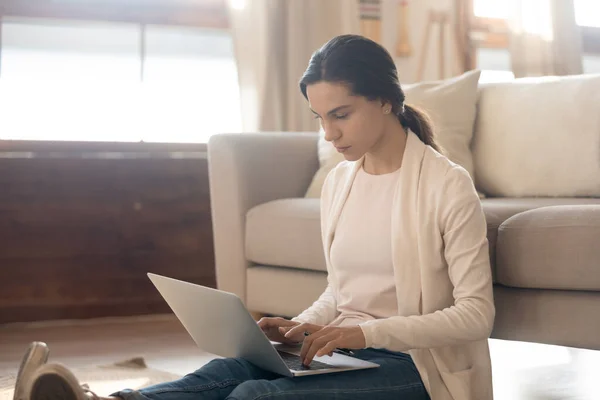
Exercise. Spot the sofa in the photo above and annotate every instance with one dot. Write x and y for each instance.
(543, 219)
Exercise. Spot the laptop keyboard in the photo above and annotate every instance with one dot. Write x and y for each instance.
(295, 363)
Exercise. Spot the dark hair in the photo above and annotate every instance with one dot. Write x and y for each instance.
(369, 70)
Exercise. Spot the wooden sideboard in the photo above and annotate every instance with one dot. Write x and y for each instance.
(82, 223)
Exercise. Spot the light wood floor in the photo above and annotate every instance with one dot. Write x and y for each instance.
(522, 371)
(161, 340)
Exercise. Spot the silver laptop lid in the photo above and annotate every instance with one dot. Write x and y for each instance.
(219, 323)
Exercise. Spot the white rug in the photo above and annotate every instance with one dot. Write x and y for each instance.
(104, 380)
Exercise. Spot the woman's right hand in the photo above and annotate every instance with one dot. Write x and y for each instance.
(270, 326)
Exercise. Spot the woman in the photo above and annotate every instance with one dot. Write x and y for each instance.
(409, 277)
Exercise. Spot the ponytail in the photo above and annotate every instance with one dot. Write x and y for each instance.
(369, 71)
(419, 122)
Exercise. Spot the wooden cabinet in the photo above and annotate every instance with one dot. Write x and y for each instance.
(79, 230)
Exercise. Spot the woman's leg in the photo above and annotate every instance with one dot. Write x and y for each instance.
(396, 378)
(215, 380)
(237, 379)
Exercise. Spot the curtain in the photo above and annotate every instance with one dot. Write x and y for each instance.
(544, 38)
(273, 41)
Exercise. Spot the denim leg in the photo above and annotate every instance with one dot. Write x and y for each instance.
(213, 381)
(396, 378)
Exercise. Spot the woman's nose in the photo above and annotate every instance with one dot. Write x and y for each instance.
(331, 133)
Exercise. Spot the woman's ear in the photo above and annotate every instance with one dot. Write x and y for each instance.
(386, 107)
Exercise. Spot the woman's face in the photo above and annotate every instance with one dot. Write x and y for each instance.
(353, 124)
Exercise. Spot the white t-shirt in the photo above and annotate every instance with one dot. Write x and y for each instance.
(362, 258)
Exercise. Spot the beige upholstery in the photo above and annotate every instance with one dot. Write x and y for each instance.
(544, 316)
(268, 249)
(498, 210)
(561, 317)
(286, 232)
(551, 248)
(538, 137)
(244, 171)
(283, 291)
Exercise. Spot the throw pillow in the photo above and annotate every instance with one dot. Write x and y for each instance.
(451, 105)
(539, 137)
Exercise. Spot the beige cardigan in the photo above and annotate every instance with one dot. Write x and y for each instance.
(441, 268)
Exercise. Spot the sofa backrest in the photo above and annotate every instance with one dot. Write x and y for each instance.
(538, 137)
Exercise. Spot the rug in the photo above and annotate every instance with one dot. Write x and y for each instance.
(107, 379)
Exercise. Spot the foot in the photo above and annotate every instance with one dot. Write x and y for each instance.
(34, 358)
(57, 382)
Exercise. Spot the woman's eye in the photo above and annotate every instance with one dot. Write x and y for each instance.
(341, 116)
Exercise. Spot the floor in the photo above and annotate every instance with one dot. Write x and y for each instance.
(161, 340)
(522, 371)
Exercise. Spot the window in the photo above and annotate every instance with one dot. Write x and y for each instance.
(34, 49)
(494, 65)
(591, 64)
(190, 85)
(587, 12)
(489, 33)
(491, 9)
(89, 80)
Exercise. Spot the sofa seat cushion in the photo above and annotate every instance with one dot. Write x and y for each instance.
(498, 210)
(286, 232)
(551, 248)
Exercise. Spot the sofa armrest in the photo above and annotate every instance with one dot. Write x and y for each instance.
(246, 170)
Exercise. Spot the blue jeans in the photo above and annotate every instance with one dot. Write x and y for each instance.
(237, 379)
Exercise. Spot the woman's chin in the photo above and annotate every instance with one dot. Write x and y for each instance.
(351, 156)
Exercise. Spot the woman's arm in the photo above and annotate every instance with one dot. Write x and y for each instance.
(322, 312)
(462, 224)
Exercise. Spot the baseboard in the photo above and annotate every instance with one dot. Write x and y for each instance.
(30, 313)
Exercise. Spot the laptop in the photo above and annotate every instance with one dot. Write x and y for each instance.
(220, 324)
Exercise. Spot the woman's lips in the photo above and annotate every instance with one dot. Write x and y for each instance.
(342, 149)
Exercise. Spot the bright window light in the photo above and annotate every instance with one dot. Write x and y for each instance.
(534, 14)
(84, 81)
(536, 18)
(237, 4)
(494, 65)
(587, 12)
(491, 8)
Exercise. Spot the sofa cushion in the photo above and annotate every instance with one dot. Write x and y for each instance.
(451, 105)
(286, 232)
(551, 248)
(539, 137)
(498, 210)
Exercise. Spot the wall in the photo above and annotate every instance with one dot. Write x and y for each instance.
(82, 224)
(418, 15)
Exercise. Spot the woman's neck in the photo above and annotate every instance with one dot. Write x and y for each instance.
(386, 155)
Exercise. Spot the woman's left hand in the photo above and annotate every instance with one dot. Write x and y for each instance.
(325, 339)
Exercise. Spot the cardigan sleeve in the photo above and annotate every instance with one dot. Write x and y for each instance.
(324, 309)
(470, 318)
